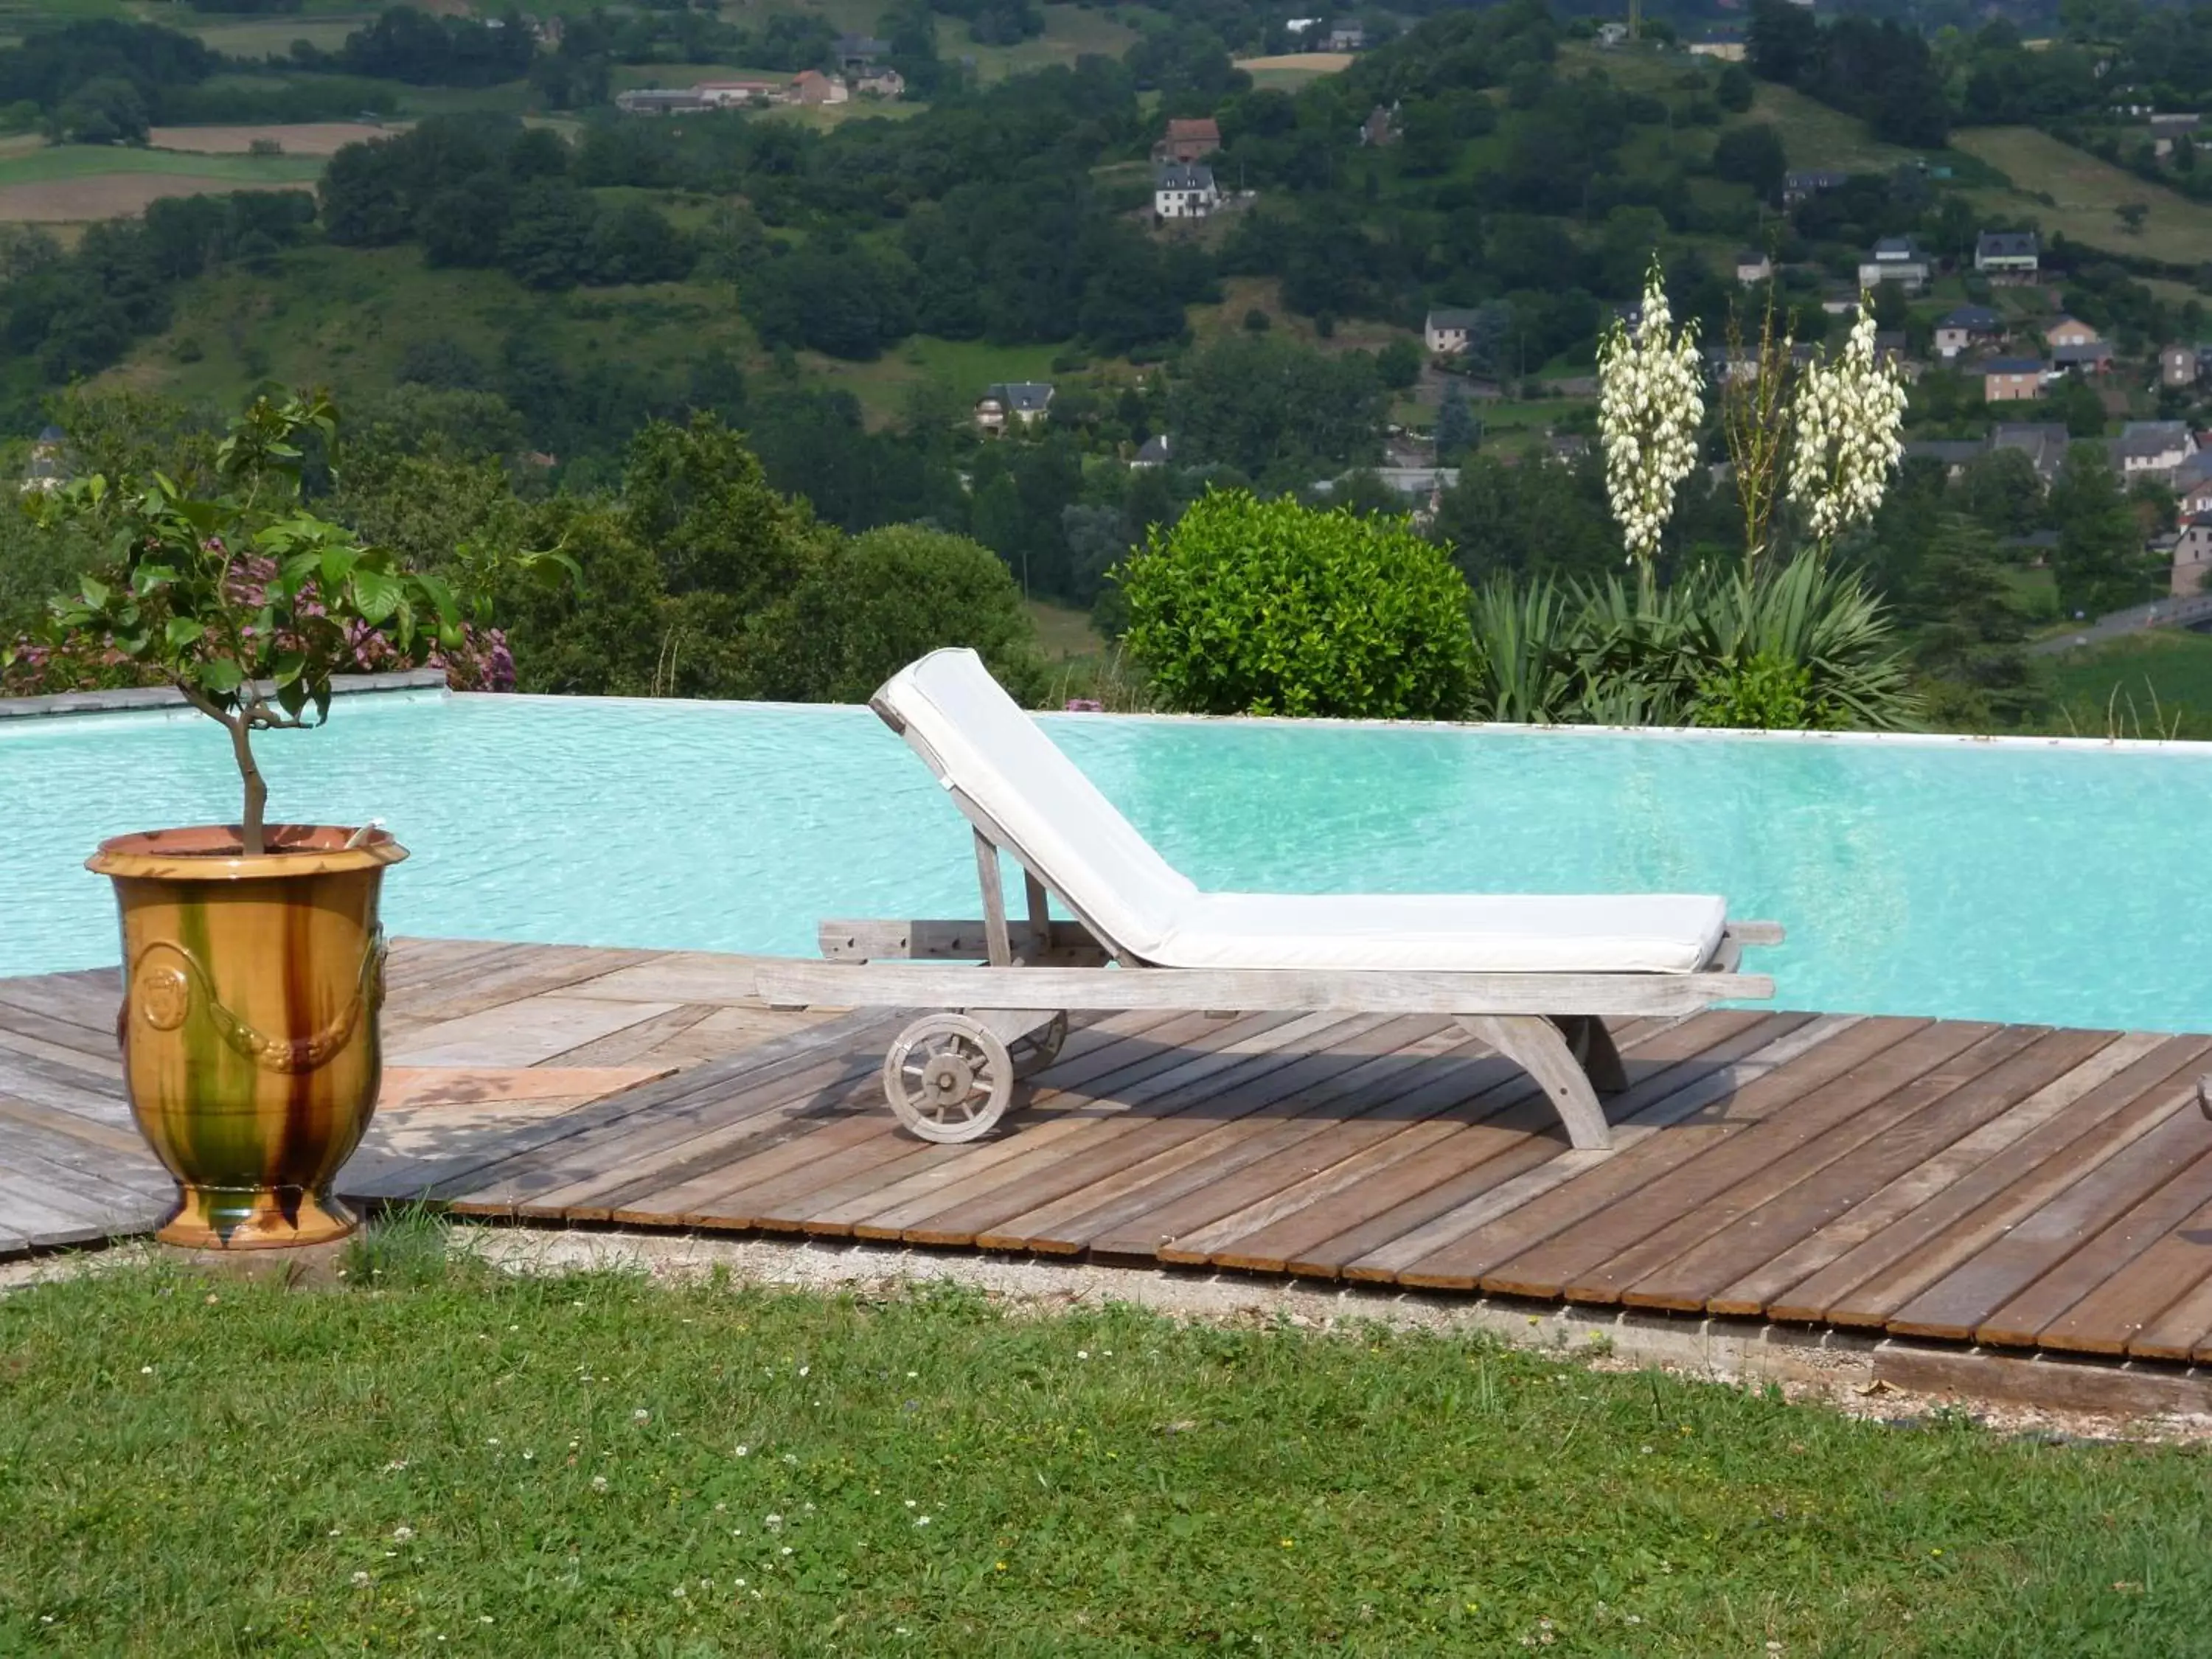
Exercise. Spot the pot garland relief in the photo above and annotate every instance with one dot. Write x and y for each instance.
(1651, 402)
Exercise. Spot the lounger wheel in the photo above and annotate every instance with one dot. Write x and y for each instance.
(948, 1077)
(1033, 1053)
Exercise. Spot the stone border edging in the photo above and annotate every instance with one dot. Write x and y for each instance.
(128, 697)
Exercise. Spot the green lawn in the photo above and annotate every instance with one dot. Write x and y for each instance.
(460, 1462)
(101, 160)
(2154, 684)
(266, 37)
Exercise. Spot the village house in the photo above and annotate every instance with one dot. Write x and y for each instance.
(2092, 357)
(1753, 266)
(1953, 455)
(2194, 498)
(1153, 451)
(2043, 442)
(1804, 184)
(1025, 401)
(1896, 259)
(2011, 380)
(2154, 449)
(1446, 333)
(2070, 331)
(1965, 328)
(2164, 129)
(659, 101)
(878, 81)
(1184, 190)
(856, 52)
(1347, 37)
(2192, 555)
(2007, 256)
(2178, 365)
(1188, 141)
(725, 95)
(814, 89)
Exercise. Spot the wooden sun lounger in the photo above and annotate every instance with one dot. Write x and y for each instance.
(950, 1076)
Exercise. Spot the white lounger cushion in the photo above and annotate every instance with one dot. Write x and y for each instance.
(980, 743)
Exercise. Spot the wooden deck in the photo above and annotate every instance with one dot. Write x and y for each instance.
(2019, 1187)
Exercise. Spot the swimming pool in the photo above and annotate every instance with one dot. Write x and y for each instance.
(2065, 883)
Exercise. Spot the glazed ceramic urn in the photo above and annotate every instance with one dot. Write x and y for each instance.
(251, 993)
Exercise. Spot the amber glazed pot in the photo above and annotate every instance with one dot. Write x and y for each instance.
(251, 991)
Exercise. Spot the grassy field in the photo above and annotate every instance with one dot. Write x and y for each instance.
(264, 37)
(1069, 32)
(1288, 71)
(449, 1461)
(2154, 684)
(968, 366)
(2085, 193)
(75, 161)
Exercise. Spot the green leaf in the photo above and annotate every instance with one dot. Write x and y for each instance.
(292, 697)
(96, 592)
(183, 631)
(220, 674)
(337, 563)
(376, 594)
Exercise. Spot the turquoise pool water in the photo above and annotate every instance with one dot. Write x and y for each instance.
(2031, 882)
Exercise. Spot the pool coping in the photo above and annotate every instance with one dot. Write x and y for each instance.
(132, 698)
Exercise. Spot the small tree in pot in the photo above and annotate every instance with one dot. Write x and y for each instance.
(252, 958)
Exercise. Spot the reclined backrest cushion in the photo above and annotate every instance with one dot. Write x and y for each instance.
(984, 746)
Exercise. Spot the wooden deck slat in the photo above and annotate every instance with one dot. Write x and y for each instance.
(2182, 1330)
(626, 1190)
(1313, 1084)
(1861, 1288)
(1956, 1305)
(2089, 1304)
(728, 1197)
(829, 1207)
(1750, 1293)
(1479, 1198)
(1646, 1156)
(1684, 1264)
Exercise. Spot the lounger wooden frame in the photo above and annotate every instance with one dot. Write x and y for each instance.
(1030, 972)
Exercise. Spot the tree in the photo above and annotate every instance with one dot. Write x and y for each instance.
(1277, 411)
(2099, 556)
(1752, 154)
(1971, 648)
(861, 609)
(1455, 425)
(548, 242)
(1267, 607)
(1398, 364)
(1734, 91)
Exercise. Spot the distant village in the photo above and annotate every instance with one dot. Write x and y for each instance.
(861, 74)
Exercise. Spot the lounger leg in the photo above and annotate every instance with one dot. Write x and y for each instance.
(1593, 1046)
(1540, 1048)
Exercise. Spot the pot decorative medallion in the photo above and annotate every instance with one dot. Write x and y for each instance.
(250, 1052)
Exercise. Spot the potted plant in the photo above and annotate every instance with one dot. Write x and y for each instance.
(252, 956)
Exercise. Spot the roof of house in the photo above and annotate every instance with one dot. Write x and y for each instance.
(1183, 175)
(1979, 319)
(1022, 396)
(2005, 244)
(2029, 435)
(2176, 431)
(2011, 366)
(861, 45)
(1752, 256)
(1898, 247)
(1814, 178)
(1154, 449)
(1952, 452)
(1452, 319)
(2196, 470)
(2089, 351)
(2146, 446)
(52, 435)
(1202, 129)
(2064, 323)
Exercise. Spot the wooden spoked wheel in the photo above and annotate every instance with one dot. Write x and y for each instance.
(1033, 1053)
(948, 1077)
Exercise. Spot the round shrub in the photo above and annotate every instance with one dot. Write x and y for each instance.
(1257, 607)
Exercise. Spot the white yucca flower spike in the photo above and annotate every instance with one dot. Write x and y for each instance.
(1849, 409)
(1651, 399)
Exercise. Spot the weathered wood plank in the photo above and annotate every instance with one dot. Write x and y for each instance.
(2183, 1329)
(1954, 1305)
(1646, 1156)
(1754, 1290)
(523, 1033)
(2039, 1315)
(1709, 1072)
(407, 1088)
(1761, 1212)
(1868, 1283)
